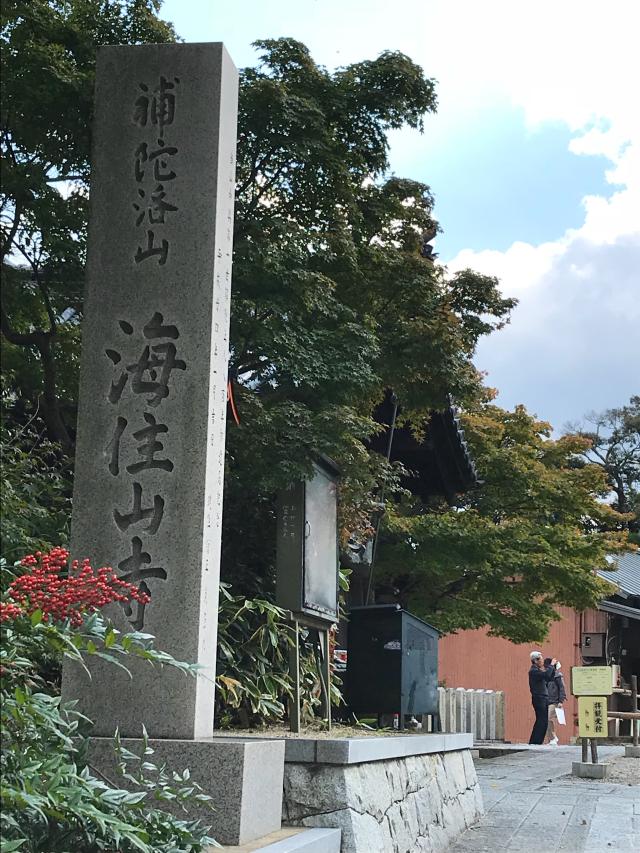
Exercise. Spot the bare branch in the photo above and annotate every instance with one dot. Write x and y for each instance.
(18, 338)
(29, 259)
(63, 178)
(256, 169)
(44, 292)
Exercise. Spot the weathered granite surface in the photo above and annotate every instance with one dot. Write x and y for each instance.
(151, 427)
(415, 804)
(243, 778)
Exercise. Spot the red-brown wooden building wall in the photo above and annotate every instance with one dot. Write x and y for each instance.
(472, 659)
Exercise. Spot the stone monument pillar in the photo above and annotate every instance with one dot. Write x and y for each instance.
(151, 430)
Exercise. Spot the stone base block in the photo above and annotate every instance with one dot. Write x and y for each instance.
(585, 770)
(498, 750)
(631, 751)
(243, 777)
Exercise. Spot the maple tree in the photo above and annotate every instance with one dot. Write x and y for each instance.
(528, 539)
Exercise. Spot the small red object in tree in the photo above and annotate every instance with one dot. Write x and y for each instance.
(64, 596)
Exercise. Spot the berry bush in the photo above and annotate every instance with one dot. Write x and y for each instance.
(52, 800)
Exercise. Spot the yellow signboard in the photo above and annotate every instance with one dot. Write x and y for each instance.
(591, 680)
(592, 716)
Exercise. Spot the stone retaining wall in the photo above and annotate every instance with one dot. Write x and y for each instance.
(411, 804)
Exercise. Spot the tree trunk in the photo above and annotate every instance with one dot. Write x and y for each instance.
(43, 342)
(620, 493)
(56, 427)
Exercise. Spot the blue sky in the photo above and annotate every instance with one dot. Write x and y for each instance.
(497, 181)
(532, 156)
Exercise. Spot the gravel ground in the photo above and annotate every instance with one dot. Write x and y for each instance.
(623, 771)
(620, 771)
(315, 732)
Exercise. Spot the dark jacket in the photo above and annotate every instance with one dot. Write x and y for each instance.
(556, 690)
(539, 679)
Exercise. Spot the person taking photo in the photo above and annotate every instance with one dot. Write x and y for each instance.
(539, 677)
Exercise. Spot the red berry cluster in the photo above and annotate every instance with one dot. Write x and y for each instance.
(9, 610)
(61, 597)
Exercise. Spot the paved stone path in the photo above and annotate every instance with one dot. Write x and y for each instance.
(534, 805)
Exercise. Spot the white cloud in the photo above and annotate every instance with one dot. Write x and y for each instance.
(571, 60)
(573, 343)
(574, 61)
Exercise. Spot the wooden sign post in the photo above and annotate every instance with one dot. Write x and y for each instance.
(592, 685)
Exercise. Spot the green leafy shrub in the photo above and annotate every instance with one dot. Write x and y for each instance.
(252, 669)
(253, 681)
(52, 800)
(36, 493)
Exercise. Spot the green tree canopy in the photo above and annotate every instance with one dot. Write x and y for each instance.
(614, 446)
(48, 64)
(332, 302)
(525, 541)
